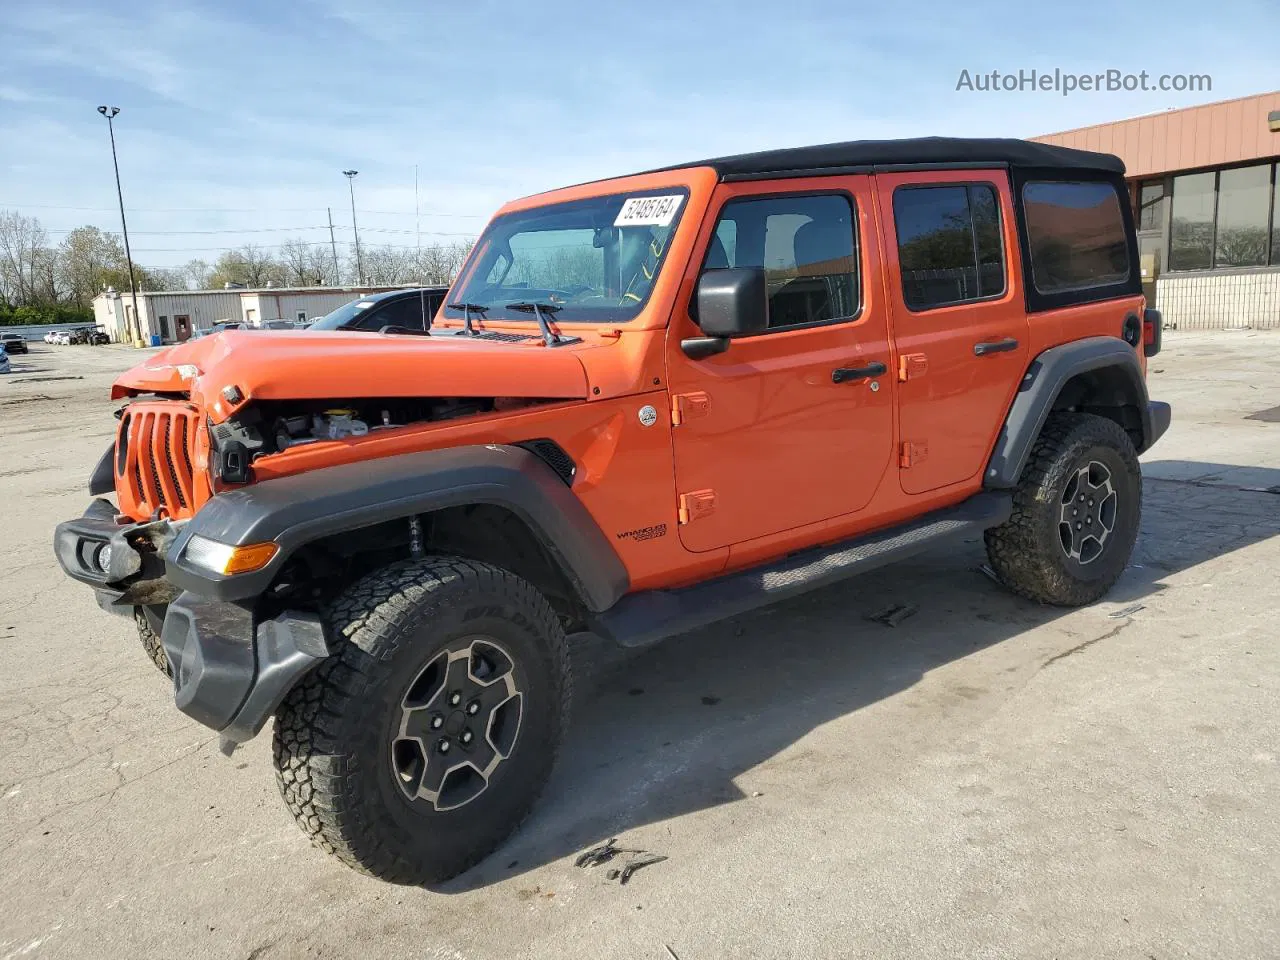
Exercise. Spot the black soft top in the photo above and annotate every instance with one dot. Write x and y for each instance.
(918, 152)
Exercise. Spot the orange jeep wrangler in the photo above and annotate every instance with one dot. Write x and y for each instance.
(647, 403)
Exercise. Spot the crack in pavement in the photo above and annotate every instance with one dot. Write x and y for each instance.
(1084, 646)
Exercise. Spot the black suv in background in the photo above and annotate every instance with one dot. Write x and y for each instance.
(408, 309)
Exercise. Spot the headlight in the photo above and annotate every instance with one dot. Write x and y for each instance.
(225, 559)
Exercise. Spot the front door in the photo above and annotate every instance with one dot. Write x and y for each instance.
(960, 324)
(182, 323)
(766, 436)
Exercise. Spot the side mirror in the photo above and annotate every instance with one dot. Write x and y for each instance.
(728, 303)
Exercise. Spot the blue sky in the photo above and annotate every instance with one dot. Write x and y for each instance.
(239, 117)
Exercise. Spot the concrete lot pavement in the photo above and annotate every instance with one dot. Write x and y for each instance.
(988, 779)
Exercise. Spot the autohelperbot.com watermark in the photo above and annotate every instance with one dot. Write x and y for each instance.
(1065, 83)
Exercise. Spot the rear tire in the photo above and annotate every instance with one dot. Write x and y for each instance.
(418, 748)
(1076, 512)
(148, 624)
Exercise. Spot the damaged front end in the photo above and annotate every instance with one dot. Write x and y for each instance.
(121, 559)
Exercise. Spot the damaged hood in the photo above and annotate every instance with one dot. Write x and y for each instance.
(297, 365)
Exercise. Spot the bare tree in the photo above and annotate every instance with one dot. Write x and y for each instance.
(250, 265)
(199, 274)
(306, 264)
(23, 254)
(384, 266)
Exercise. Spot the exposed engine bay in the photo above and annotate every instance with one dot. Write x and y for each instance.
(271, 427)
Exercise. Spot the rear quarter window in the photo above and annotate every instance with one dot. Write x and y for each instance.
(1076, 235)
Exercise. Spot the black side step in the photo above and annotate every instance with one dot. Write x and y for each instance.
(643, 618)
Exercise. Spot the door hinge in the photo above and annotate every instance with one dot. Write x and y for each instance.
(696, 505)
(687, 406)
(912, 365)
(912, 453)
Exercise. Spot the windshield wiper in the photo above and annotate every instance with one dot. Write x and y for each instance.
(538, 309)
(467, 308)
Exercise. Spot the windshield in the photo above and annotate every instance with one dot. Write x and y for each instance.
(594, 260)
(344, 315)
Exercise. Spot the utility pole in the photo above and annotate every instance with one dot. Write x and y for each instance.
(351, 179)
(134, 327)
(333, 244)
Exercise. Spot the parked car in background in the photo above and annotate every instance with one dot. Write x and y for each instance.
(217, 328)
(13, 343)
(410, 309)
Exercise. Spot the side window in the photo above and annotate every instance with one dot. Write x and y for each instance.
(406, 312)
(1076, 234)
(949, 248)
(807, 247)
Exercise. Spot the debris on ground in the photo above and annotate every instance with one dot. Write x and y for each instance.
(894, 615)
(1127, 611)
(644, 860)
(606, 851)
(671, 953)
(987, 572)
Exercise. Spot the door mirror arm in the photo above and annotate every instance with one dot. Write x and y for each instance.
(699, 348)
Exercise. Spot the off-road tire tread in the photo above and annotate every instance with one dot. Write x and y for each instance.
(151, 643)
(310, 768)
(1024, 562)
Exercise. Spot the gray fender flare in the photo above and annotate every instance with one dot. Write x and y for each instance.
(1040, 387)
(296, 510)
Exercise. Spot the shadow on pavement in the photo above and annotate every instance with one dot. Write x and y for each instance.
(664, 731)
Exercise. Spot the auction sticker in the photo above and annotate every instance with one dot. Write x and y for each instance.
(648, 211)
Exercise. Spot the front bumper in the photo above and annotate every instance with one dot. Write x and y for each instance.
(1159, 415)
(231, 673)
(230, 668)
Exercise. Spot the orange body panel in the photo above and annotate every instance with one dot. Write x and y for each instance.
(951, 412)
(756, 450)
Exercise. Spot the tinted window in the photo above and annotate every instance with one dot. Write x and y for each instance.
(406, 312)
(1076, 234)
(1244, 194)
(949, 248)
(1191, 233)
(805, 245)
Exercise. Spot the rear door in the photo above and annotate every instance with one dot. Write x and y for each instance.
(959, 320)
(767, 437)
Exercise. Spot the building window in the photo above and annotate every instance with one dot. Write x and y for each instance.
(164, 327)
(1076, 234)
(949, 248)
(1151, 205)
(806, 246)
(302, 316)
(1244, 198)
(1191, 230)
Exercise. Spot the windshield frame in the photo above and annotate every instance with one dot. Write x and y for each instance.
(482, 259)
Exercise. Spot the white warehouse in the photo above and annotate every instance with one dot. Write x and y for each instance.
(174, 315)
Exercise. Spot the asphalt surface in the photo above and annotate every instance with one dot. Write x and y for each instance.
(989, 778)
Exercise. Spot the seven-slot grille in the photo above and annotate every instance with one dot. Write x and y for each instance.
(154, 452)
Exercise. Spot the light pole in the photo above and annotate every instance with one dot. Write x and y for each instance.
(110, 113)
(351, 179)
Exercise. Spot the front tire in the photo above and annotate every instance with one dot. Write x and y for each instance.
(148, 621)
(1076, 511)
(417, 749)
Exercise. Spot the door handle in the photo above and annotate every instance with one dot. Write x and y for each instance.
(994, 346)
(848, 374)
